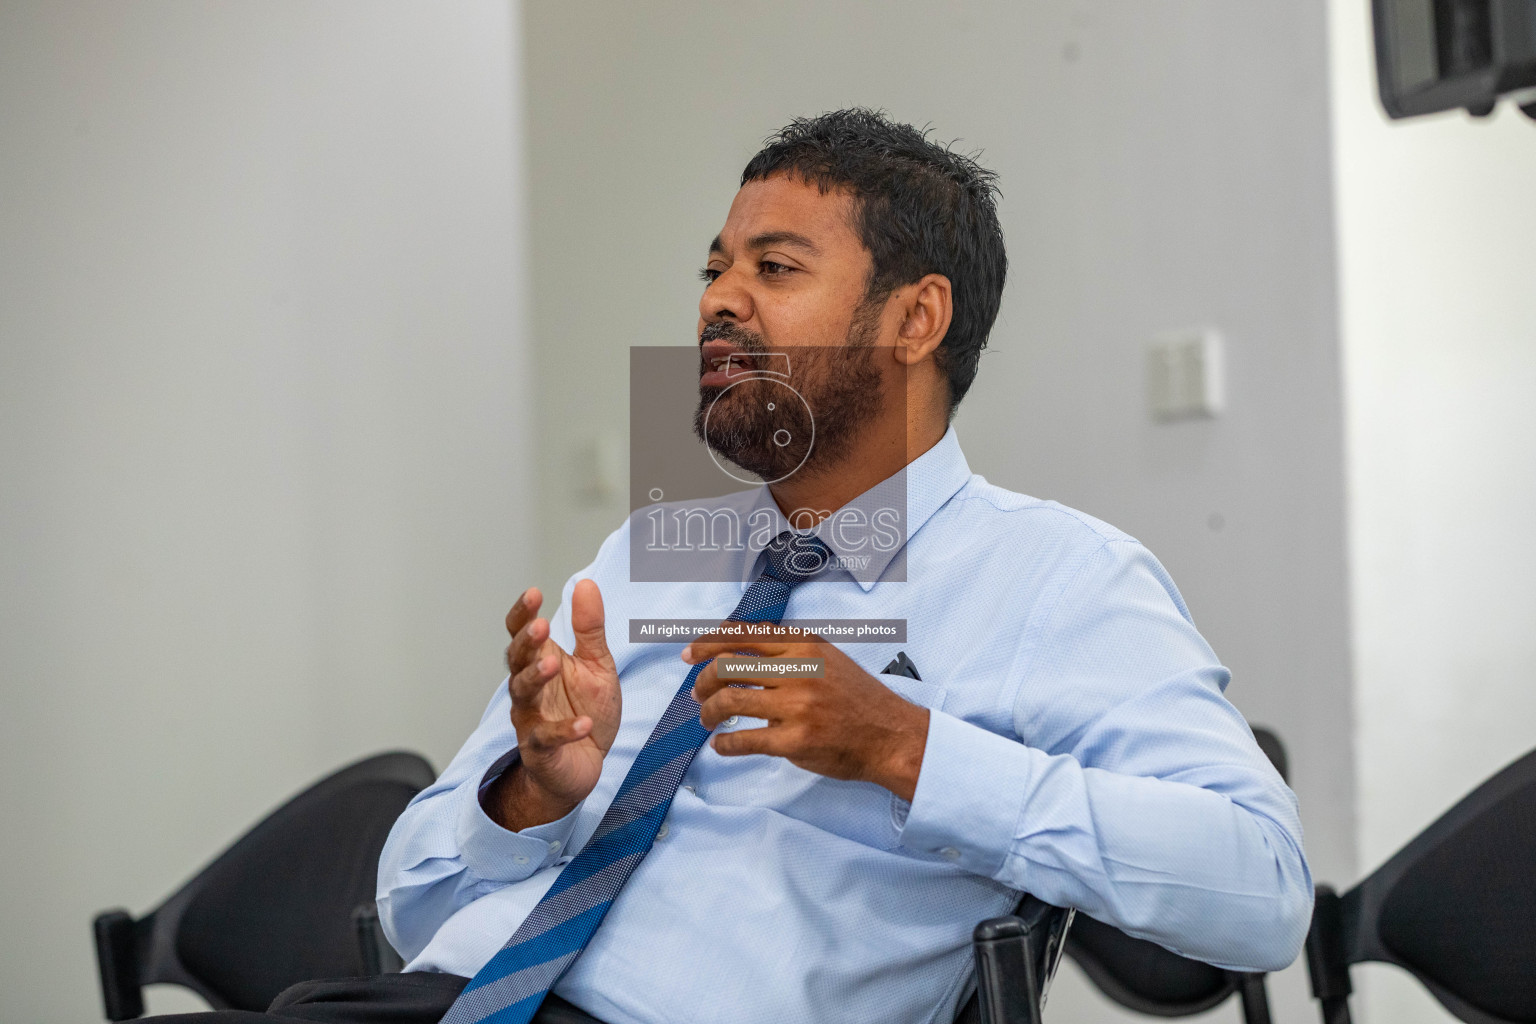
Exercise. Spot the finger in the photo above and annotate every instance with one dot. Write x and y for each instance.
(526, 644)
(769, 740)
(733, 700)
(527, 684)
(524, 608)
(547, 735)
(708, 682)
(587, 622)
(715, 644)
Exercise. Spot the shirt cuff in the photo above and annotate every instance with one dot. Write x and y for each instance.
(970, 791)
(494, 853)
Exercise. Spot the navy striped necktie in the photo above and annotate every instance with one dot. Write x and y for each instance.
(510, 987)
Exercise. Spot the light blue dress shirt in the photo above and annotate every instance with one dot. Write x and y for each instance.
(1079, 748)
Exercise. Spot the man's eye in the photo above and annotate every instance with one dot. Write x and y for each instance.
(772, 269)
(708, 275)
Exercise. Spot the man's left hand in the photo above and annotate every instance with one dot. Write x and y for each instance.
(847, 725)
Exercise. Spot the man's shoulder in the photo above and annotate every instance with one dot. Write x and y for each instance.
(613, 554)
(1000, 512)
(1048, 544)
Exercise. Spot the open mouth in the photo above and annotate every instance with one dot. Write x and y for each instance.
(722, 364)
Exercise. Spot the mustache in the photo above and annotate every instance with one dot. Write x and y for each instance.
(725, 330)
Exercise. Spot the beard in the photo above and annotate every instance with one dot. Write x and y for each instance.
(762, 426)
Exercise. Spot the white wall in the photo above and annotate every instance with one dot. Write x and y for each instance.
(1437, 254)
(1163, 165)
(263, 417)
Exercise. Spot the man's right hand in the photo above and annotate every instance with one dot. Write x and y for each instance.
(565, 708)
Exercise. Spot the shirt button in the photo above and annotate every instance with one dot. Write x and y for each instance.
(661, 833)
(950, 853)
(554, 846)
(732, 720)
(691, 790)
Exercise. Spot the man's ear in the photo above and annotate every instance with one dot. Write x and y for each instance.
(927, 306)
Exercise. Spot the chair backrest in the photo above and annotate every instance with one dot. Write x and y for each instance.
(1269, 742)
(1147, 978)
(1142, 975)
(276, 907)
(1456, 907)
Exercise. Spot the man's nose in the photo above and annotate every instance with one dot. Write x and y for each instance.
(726, 298)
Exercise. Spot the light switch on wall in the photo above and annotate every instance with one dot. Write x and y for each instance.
(1185, 375)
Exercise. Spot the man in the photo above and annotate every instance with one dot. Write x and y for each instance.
(822, 847)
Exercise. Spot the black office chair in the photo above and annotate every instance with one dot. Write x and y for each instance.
(291, 900)
(1456, 908)
(1147, 978)
(1016, 958)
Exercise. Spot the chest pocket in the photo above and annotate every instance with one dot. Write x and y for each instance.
(860, 811)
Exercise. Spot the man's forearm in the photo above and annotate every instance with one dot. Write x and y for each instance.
(1192, 868)
(515, 802)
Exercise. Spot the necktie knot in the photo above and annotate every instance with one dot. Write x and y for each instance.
(794, 558)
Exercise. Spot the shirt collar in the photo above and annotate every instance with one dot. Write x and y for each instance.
(926, 483)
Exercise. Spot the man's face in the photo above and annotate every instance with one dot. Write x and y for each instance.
(787, 278)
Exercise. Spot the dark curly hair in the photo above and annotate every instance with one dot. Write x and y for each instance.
(921, 209)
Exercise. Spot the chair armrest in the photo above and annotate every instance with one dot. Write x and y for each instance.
(117, 963)
(378, 956)
(1327, 964)
(1016, 958)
